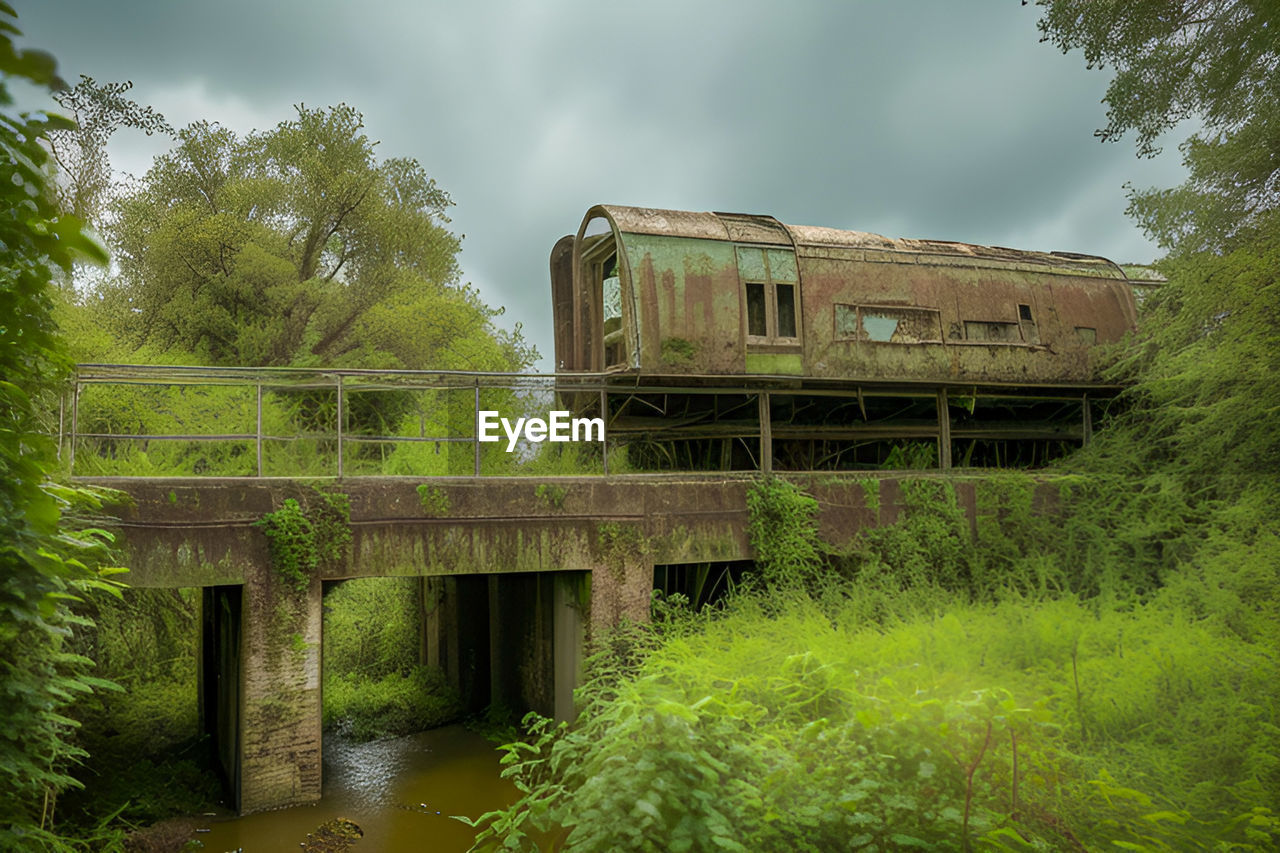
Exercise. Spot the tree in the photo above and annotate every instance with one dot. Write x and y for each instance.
(80, 152)
(296, 246)
(1217, 61)
(44, 564)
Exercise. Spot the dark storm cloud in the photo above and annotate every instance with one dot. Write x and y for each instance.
(929, 119)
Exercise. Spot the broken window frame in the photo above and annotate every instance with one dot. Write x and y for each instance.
(860, 335)
(600, 256)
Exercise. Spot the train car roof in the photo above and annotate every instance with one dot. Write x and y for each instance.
(752, 228)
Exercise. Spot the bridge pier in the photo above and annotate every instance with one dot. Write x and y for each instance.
(279, 739)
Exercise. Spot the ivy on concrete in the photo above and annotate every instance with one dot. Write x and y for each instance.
(303, 538)
(783, 527)
(435, 502)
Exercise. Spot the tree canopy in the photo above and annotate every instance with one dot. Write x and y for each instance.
(1215, 61)
(298, 246)
(84, 180)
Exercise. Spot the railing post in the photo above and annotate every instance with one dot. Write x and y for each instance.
(766, 435)
(476, 428)
(1087, 426)
(604, 437)
(259, 429)
(340, 418)
(75, 419)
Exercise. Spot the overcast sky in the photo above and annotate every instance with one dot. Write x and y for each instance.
(940, 119)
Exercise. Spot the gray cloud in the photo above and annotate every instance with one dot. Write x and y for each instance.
(929, 119)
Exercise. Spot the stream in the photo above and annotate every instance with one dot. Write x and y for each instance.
(399, 791)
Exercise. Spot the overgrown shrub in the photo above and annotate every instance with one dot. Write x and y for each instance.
(1019, 725)
(395, 704)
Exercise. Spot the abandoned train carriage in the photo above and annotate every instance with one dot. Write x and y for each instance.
(971, 347)
(675, 293)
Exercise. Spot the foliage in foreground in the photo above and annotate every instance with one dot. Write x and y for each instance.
(1013, 726)
(45, 561)
(939, 687)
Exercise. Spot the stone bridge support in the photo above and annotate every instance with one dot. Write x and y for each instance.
(260, 688)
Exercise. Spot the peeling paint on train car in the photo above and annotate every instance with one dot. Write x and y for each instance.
(688, 290)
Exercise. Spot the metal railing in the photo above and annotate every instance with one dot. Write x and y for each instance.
(339, 384)
(334, 410)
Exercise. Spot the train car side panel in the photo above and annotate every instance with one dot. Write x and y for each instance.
(691, 314)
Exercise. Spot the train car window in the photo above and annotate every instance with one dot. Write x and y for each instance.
(888, 324)
(786, 309)
(756, 322)
(1030, 331)
(992, 333)
(782, 265)
(751, 264)
(846, 322)
(771, 285)
(1087, 334)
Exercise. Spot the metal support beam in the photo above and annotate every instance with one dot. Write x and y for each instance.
(604, 419)
(75, 420)
(944, 430)
(258, 435)
(766, 435)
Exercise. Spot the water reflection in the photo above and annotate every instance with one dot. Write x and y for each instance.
(400, 791)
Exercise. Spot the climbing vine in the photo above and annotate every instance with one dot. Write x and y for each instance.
(301, 539)
(783, 527)
(618, 543)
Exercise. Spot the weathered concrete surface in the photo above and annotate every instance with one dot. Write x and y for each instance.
(280, 731)
(199, 532)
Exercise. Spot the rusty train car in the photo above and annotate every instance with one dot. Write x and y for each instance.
(707, 301)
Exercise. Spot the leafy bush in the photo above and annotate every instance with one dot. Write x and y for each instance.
(1007, 723)
(395, 704)
(374, 685)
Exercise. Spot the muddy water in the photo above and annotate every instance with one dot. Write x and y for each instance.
(400, 792)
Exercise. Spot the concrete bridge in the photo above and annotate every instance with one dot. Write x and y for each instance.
(516, 573)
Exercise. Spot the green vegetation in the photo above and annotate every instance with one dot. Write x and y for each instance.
(303, 539)
(374, 682)
(147, 757)
(552, 494)
(435, 502)
(51, 555)
(926, 688)
(678, 350)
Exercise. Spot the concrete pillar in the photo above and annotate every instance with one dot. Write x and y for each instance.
(280, 739)
(621, 589)
(498, 665)
(570, 598)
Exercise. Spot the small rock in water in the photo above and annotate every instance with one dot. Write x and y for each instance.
(333, 836)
